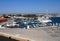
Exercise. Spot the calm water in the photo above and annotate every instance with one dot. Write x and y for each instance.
(32, 23)
(2, 38)
(55, 19)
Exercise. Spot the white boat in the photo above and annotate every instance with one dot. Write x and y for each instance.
(44, 20)
(11, 23)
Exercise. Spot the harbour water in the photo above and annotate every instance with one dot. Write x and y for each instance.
(24, 23)
(2, 38)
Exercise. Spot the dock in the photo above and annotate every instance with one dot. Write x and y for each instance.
(34, 34)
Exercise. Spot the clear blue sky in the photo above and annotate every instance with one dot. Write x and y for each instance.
(29, 6)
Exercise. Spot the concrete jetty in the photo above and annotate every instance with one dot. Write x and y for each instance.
(34, 34)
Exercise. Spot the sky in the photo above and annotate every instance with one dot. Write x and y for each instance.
(29, 6)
